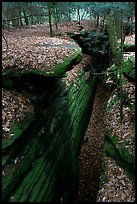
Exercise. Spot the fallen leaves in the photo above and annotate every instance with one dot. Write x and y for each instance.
(30, 52)
(117, 186)
(113, 117)
(74, 73)
(130, 39)
(14, 107)
(21, 53)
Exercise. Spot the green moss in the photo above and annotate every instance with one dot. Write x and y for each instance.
(129, 67)
(4, 159)
(129, 47)
(120, 154)
(112, 103)
(74, 59)
(7, 82)
(48, 171)
(16, 171)
(18, 130)
(57, 70)
(27, 185)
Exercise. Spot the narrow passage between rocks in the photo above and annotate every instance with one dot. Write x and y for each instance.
(91, 154)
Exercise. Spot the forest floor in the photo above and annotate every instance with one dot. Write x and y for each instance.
(120, 188)
(92, 149)
(117, 188)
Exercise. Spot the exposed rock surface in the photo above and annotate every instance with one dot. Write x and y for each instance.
(48, 151)
(42, 164)
(41, 55)
(95, 44)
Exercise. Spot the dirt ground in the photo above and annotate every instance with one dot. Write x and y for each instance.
(118, 187)
(91, 155)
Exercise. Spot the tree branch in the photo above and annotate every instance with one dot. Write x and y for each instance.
(44, 14)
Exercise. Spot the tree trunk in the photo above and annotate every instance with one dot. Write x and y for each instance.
(19, 15)
(56, 18)
(32, 20)
(115, 30)
(49, 15)
(57, 15)
(20, 19)
(103, 23)
(15, 23)
(26, 18)
(97, 21)
(69, 16)
(78, 12)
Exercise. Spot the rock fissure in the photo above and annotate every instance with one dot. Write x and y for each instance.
(63, 103)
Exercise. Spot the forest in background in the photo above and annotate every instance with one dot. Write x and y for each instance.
(21, 14)
(25, 22)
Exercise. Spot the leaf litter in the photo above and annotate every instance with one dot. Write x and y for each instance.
(118, 187)
(14, 107)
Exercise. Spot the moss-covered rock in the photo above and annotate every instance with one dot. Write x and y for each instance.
(42, 165)
(120, 154)
(48, 59)
(17, 115)
(95, 44)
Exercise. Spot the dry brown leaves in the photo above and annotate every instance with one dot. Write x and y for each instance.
(130, 39)
(22, 54)
(14, 107)
(117, 187)
(75, 71)
(124, 131)
(72, 26)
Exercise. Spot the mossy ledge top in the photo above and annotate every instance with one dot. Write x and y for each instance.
(41, 56)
